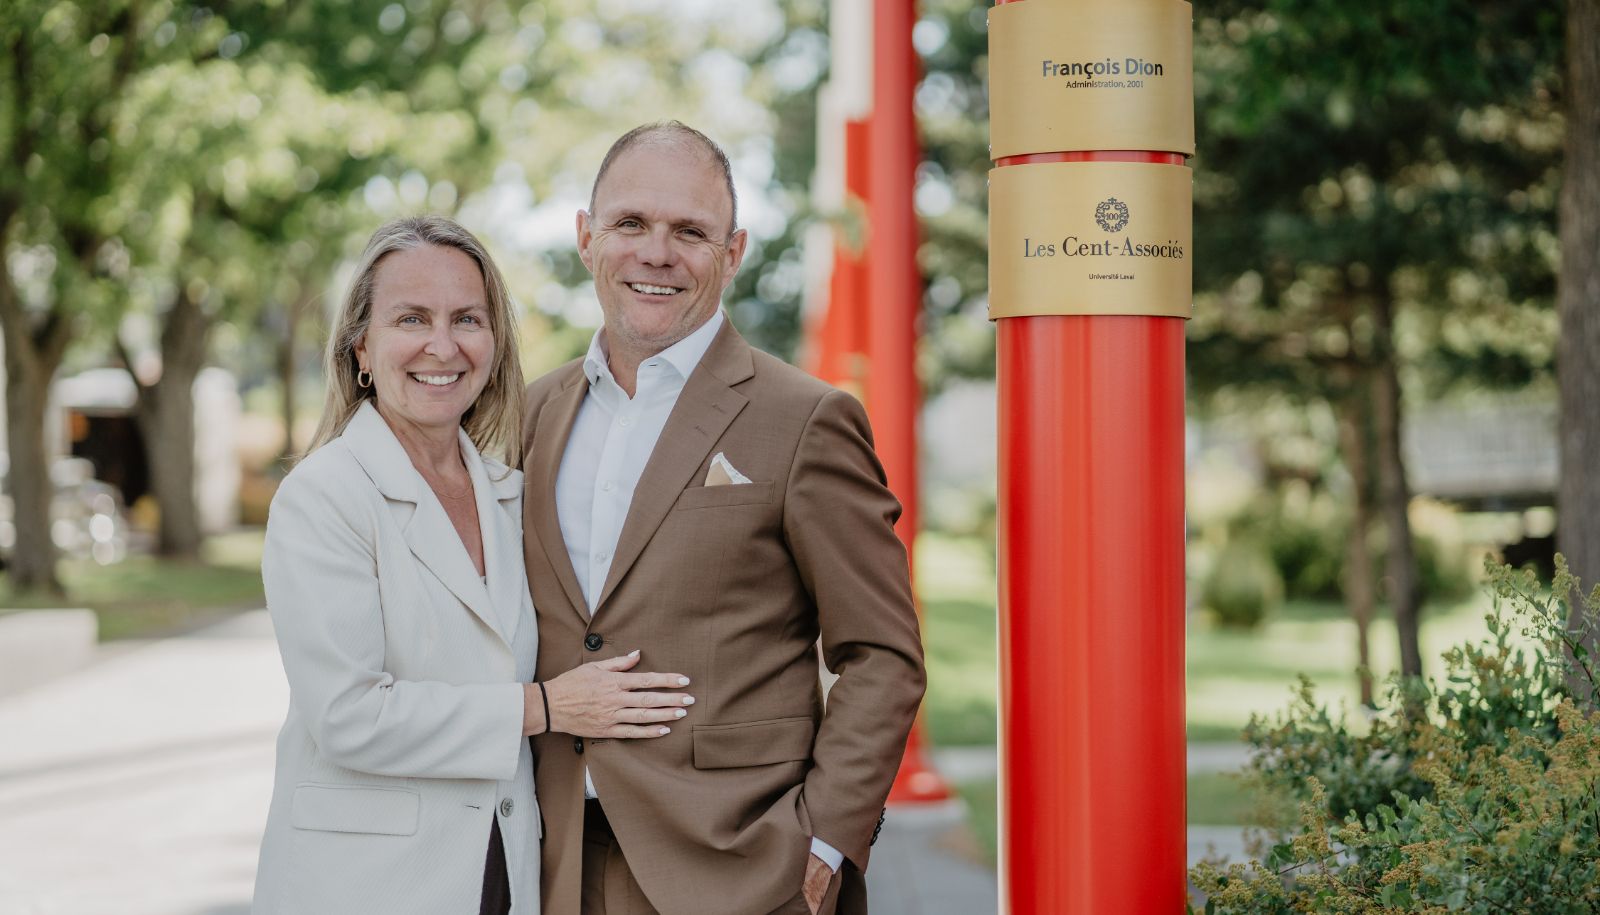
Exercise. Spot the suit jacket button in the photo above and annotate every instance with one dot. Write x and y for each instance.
(506, 806)
(577, 745)
(593, 641)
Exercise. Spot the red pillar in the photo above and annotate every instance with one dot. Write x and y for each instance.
(1091, 623)
(894, 283)
(839, 338)
(893, 303)
(1091, 530)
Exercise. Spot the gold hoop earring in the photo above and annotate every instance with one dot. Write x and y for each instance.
(363, 379)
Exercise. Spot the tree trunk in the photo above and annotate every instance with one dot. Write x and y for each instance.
(1355, 441)
(32, 564)
(1394, 496)
(166, 422)
(33, 353)
(288, 353)
(1578, 350)
(286, 366)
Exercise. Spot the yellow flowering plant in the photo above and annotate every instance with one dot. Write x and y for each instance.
(1479, 793)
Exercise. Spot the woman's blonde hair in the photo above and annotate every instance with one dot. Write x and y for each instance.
(494, 421)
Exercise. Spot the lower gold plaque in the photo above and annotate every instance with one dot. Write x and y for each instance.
(1090, 238)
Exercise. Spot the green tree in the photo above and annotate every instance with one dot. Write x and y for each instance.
(68, 69)
(260, 151)
(1373, 183)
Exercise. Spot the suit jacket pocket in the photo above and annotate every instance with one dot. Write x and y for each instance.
(753, 743)
(718, 496)
(355, 808)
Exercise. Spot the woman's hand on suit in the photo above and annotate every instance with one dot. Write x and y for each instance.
(600, 699)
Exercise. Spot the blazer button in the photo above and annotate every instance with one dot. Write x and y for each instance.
(506, 806)
(593, 641)
(577, 745)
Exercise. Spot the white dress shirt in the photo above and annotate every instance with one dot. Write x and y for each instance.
(611, 442)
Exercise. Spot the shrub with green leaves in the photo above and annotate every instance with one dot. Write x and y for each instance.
(1478, 794)
(1243, 586)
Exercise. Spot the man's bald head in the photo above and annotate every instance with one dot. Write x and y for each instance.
(671, 134)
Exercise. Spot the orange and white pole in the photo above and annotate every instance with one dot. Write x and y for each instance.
(1090, 282)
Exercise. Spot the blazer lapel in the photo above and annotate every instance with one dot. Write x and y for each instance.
(551, 431)
(502, 548)
(433, 539)
(429, 531)
(704, 411)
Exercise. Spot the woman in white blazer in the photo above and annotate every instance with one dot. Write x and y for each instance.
(394, 577)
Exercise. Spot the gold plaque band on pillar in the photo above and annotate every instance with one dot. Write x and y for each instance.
(1070, 75)
(1090, 238)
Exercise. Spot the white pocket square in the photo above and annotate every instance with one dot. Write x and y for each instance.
(722, 472)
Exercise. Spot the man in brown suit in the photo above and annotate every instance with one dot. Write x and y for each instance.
(720, 511)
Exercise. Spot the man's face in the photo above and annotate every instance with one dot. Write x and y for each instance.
(658, 246)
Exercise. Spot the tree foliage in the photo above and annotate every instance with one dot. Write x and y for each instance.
(178, 176)
(1374, 215)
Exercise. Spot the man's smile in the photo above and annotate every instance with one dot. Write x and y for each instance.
(652, 289)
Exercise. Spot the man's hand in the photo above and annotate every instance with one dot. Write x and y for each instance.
(818, 876)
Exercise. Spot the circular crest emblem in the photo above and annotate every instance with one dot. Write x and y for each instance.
(1111, 214)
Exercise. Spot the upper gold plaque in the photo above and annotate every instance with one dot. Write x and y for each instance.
(1073, 75)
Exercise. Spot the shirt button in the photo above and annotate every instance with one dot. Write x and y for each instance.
(603, 558)
(608, 485)
(506, 806)
(593, 641)
(577, 745)
(625, 421)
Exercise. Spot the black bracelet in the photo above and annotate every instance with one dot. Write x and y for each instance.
(546, 697)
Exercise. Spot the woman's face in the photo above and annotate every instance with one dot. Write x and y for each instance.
(428, 346)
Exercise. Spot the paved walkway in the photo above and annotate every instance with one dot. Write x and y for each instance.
(139, 786)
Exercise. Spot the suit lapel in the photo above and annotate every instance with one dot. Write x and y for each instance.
(704, 411)
(551, 431)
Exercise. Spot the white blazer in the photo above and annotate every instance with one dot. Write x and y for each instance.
(404, 735)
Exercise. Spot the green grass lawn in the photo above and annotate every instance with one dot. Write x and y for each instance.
(144, 596)
(1231, 673)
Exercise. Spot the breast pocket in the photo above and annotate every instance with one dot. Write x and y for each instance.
(355, 808)
(722, 496)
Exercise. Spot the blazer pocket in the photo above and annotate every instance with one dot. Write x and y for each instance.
(352, 808)
(753, 743)
(719, 496)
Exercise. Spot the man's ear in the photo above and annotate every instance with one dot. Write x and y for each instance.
(585, 238)
(735, 254)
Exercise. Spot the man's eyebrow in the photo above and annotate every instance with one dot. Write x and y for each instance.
(695, 222)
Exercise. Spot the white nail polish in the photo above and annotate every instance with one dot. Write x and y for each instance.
(665, 731)
(680, 713)
(634, 653)
(683, 681)
(688, 700)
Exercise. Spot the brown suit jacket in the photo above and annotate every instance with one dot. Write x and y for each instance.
(732, 586)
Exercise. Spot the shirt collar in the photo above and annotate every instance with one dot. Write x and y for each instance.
(684, 356)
